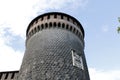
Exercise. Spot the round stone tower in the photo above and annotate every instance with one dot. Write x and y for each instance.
(54, 49)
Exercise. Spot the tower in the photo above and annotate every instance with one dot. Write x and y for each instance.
(54, 49)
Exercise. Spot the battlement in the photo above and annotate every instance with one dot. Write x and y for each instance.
(9, 75)
(55, 20)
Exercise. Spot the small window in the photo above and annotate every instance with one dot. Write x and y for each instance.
(63, 25)
(77, 60)
(38, 27)
(54, 24)
(42, 26)
(59, 24)
(67, 26)
(46, 25)
(50, 24)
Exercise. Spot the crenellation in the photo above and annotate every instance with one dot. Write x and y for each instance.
(45, 18)
(62, 17)
(3, 76)
(58, 17)
(9, 75)
(65, 25)
(39, 20)
(6, 75)
(12, 75)
(42, 18)
(55, 16)
(53, 20)
(65, 18)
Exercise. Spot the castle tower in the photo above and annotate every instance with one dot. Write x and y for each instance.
(54, 49)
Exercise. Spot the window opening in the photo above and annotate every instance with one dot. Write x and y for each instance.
(46, 25)
(38, 27)
(50, 24)
(42, 26)
(67, 26)
(54, 24)
(63, 25)
(59, 24)
(77, 60)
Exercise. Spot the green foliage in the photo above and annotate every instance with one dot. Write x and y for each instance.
(119, 19)
(118, 29)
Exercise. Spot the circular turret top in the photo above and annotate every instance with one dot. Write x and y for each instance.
(55, 14)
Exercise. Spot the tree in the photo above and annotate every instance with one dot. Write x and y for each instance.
(118, 30)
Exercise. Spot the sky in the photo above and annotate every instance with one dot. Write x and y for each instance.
(99, 19)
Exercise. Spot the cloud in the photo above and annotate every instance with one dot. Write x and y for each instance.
(60, 5)
(10, 59)
(15, 15)
(96, 74)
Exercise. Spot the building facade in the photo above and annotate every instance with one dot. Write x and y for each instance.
(54, 49)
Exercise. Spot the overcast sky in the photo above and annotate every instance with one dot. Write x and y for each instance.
(99, 19)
